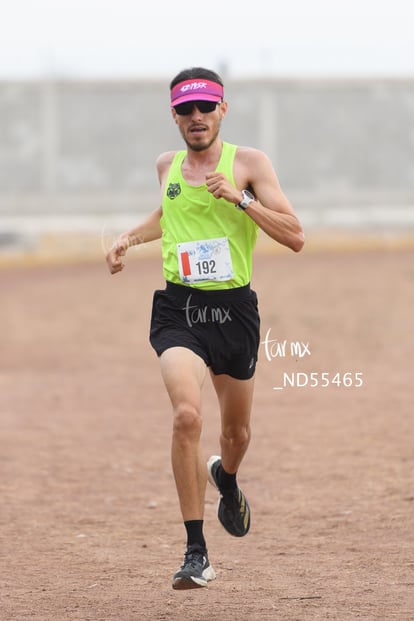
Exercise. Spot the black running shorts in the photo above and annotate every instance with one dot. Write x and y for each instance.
(222, 326)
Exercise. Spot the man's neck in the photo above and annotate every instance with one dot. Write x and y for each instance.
(206, 158)
(197, 163)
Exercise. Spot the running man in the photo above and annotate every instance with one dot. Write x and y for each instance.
(214, 198)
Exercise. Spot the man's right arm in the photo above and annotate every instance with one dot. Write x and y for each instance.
(147, 231)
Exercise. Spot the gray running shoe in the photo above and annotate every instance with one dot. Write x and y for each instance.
(196, 570)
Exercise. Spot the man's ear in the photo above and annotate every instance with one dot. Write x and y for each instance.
(223, 109)
(174, 114)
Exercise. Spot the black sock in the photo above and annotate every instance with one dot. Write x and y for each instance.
(226, 481)
(195, 535)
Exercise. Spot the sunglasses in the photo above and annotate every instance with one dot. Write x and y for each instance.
(203, 106)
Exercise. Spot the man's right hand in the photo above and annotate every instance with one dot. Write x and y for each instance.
(114, 256)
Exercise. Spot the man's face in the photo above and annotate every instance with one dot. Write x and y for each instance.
(200, 129)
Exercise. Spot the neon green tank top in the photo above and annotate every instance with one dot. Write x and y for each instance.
(192, 214)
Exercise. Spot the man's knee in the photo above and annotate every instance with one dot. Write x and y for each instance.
(187, 421)
(236, 436)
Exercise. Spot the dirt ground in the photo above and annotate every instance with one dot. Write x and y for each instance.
(90, 526)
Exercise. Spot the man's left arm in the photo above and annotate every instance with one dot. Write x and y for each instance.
(271, 209)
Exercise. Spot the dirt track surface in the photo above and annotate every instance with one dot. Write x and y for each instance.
(90, 526)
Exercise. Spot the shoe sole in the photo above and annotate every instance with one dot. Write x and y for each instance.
(210, 463)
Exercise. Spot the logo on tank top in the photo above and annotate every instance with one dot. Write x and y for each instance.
(173, 190)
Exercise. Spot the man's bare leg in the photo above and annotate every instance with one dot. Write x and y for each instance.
(183, 373)
(235, 400)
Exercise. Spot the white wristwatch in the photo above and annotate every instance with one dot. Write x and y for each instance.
(246, 200)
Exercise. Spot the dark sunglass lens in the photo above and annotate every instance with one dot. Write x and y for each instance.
(187, 107)
(184, 108)
(206, 106)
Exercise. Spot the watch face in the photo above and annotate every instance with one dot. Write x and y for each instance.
(246, 200)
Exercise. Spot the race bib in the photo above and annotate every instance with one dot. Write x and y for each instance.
(207, 259)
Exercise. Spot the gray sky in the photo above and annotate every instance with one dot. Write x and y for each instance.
(139, 38)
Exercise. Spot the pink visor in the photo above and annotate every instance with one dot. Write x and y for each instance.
(196, 90)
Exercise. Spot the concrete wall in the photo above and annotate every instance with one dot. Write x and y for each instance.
(71, 151)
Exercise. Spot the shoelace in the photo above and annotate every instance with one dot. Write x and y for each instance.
(193, 558)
